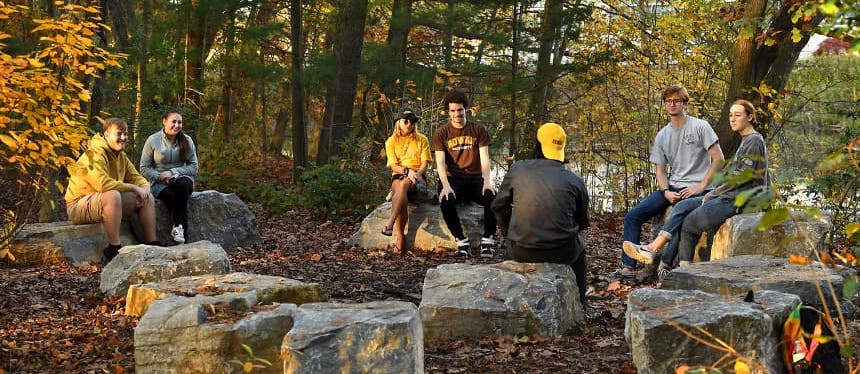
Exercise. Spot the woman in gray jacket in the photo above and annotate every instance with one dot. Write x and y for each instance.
(169, 162)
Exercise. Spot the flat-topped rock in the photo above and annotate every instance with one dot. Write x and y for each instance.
(57, 242)
(202, 334)
(214, 216)
(206, 334)
(739, 235)
(755, 272)
(375, 337)
(508, 298)
(425, 230)
(149, 264)
(655, 320)
(269, 289)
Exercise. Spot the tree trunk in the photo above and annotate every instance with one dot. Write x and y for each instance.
(515, 59)
(757, 65)
(544, 73)
(392, 62)
(297, 91)
(142, 59)
(348, 45)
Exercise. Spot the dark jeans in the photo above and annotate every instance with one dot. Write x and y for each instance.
(175, 196)
(651, 206)
(467, 189)
(562, 255)
(672, 227)
(706, 218)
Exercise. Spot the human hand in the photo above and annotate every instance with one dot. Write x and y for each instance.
(671, 196)
(691, 191)
(164, 176)
(446, 190)
(143, 196)
(488, 187)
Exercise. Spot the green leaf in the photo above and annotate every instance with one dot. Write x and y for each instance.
(742, 197)
(772, 218)
(846, 351)
(850, 286)
(851, 229)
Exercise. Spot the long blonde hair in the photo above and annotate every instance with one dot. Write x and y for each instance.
(397, 135)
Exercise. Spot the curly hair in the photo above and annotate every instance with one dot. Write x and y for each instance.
(456, 96)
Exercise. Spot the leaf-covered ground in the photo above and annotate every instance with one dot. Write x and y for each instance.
(53, 318)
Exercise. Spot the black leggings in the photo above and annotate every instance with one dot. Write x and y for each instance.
(176, 195)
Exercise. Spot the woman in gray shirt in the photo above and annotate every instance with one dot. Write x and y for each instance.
(169, 162)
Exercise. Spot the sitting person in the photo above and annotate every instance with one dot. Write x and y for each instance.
(686, 153)
(408, 154)
(542, 207)
(105, 187)
(462, 153)
(169, 162)
(707, 213)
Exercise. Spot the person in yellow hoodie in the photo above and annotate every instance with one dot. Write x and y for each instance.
(105, 187)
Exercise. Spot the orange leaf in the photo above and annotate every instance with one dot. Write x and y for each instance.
(799, 260)
(488, 295)
(118, 369)
(826, 259)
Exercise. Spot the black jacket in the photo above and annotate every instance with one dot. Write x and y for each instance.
(541, 205)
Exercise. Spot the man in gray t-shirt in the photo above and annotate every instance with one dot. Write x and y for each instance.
(686, 154)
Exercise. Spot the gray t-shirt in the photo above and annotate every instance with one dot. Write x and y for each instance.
(684, 151)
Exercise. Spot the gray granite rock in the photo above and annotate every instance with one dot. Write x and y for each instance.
(147, 264)
(507, 298)
(375, 337)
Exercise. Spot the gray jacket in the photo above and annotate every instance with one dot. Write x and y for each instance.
(160, 155)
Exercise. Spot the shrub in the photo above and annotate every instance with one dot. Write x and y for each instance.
(338, 193)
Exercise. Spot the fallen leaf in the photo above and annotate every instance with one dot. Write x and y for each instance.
(798, 259)
(614, 286)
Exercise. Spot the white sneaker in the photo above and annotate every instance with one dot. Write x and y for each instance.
(639, 252)
(178, 234)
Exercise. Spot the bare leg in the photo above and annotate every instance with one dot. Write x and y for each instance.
(658, 243)
(146, 215)
(402, 218)
(398, 199)
(112, 214)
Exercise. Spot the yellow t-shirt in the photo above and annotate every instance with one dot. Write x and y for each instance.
(407, 151)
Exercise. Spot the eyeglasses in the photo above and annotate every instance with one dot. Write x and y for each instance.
(674, 102)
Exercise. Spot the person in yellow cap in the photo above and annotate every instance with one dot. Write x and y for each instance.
(541, 207)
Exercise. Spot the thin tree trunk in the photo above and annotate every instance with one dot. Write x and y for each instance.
(143, 58)
(351, 20)
(515, 59)
(544, 73)
(297, 91)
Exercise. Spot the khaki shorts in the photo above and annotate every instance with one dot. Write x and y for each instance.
(88, 209)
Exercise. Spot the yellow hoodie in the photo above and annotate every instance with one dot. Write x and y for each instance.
(101, 169)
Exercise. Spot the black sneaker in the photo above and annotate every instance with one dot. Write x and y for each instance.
(488, 249)
(111, 251)
(464, 248)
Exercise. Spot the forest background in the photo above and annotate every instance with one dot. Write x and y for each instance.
(290, 102)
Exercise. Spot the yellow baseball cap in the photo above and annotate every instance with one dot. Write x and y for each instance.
(552, 141)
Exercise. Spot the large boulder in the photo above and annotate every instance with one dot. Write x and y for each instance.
(739, 235)
(754, 272)
(508, 298)
(214, 216)
(269, 289)
(207, 334)
(147, 264)
(657, 323)
(375, 337)
(56, 242)
(425, 230)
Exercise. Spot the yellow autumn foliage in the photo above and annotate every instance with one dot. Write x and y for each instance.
(42, 94)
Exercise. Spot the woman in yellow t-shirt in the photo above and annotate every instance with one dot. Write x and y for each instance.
(408, 154)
